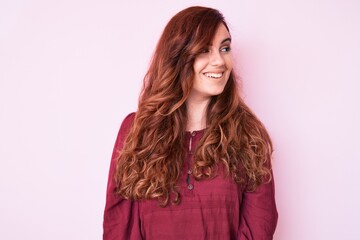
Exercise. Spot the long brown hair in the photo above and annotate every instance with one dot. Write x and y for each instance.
(151, 161)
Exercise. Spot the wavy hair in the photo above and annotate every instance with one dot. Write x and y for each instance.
(152, 158)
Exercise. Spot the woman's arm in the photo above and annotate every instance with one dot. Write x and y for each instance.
(258, 214)
(121, 216)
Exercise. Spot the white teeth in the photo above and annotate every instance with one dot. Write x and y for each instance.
(214, 75)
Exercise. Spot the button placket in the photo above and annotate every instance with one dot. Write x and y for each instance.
(190, 186)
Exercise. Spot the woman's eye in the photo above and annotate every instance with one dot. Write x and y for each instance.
(205, 50)
(225, 49)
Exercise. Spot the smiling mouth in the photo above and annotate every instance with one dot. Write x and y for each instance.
(214, 75)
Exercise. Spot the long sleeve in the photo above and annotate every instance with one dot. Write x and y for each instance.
(258, 214)
(121, 218)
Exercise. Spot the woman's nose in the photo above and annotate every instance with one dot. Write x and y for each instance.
(216, 58)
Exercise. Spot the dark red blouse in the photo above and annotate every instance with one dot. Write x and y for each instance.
(209, 209)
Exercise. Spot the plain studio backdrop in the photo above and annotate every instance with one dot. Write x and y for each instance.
(70, 71)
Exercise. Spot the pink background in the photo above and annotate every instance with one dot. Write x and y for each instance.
(71, 70)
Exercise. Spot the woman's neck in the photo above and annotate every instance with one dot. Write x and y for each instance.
(196, 114)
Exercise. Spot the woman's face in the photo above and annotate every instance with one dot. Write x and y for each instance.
(212, 67)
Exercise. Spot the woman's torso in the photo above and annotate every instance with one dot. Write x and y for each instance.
(209, 209)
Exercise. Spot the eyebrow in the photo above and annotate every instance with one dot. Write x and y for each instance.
(225, 40)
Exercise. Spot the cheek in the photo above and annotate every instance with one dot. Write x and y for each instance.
(229, 62)
(199, 64)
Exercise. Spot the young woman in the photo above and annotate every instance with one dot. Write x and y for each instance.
(193, 162)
